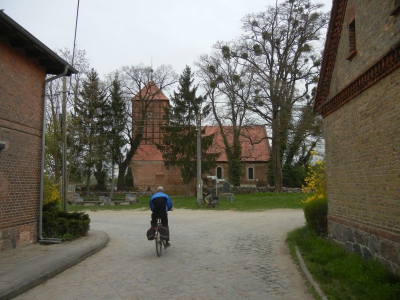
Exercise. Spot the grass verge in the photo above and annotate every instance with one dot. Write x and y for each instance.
(242, 202)
(342, 275)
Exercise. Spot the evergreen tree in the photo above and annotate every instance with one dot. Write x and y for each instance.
(90, 128)
(117, 121)
(180, 138)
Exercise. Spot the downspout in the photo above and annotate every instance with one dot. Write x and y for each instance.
(40, 237)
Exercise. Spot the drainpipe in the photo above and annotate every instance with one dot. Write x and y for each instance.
(40, 238)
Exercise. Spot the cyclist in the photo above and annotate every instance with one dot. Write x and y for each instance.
(160, 203)
(208, 194)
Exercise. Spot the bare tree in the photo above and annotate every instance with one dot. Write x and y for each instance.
(228, 85)
(281, 46)
(54, 110)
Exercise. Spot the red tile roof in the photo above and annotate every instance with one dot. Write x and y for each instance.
(255, 146)
(150, 92)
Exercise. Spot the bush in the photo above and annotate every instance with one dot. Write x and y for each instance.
(63, 225)
(50, 190)
(293, 176)
(316, 181)
(316, 213)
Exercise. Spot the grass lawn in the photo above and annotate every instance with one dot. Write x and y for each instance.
(242, 202)
(341, 275)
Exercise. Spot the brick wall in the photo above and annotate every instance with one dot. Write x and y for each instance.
(153, 174)
(363, 172)
(375, 27)
(21, 99)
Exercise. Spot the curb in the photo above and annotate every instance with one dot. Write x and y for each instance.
(308, 275)
(43, 269)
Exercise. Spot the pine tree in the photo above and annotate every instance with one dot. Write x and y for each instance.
(117, 122)
(180, 138)
(90, 128)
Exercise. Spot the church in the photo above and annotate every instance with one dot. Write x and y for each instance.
(148, 167)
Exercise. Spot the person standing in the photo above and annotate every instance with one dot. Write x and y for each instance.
(160, 203)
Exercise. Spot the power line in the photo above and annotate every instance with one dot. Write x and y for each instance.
(74, 46)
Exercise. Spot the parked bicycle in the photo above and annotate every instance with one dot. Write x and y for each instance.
(214, 202)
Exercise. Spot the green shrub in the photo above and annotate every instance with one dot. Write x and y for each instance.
(63, 225)
(316, 213)
(293, 176)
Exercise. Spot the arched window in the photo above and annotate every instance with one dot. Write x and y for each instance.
(250, 173)
(219, 172)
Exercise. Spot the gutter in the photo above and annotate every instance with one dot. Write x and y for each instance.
(40, 237)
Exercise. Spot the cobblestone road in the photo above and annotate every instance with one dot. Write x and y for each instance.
(214, 255)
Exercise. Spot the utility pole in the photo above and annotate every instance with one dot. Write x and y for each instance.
(199, 180)
(112, 180)
(64, 143)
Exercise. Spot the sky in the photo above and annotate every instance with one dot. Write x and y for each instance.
(130, 32)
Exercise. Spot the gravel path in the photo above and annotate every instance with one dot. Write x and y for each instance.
(214, 255)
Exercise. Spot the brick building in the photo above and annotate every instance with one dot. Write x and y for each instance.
(148, 166)
(24, 64)
(358, 96)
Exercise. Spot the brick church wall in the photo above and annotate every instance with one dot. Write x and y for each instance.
(21, 109)
(150, 175)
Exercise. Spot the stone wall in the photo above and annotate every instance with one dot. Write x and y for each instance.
(368, 245)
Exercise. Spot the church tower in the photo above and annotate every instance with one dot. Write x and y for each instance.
(148, 110)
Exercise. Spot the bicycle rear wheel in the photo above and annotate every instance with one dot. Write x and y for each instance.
(215, 203)
(158, 243)
(200, 202)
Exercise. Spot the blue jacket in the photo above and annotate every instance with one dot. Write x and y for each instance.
(160, 203)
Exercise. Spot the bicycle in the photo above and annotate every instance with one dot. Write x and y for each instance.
(160, 238)
(214, 203)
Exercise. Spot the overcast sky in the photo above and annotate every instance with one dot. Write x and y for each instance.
(130, 32)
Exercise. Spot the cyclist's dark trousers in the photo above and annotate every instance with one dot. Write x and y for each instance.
(164, 219)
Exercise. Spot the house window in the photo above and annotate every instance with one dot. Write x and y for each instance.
(396, 9)
(352, 40)
(219, 172)
(250, 173)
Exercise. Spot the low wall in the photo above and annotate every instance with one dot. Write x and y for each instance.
(234, 189)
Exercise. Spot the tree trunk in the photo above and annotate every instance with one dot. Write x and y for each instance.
(121, 176)
(88, 182)
(188, 190)
(276, 157)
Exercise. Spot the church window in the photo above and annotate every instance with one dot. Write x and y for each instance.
(250, 173)
(219, 172)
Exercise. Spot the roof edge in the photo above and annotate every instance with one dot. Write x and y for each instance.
(331, 44)
(24, 33)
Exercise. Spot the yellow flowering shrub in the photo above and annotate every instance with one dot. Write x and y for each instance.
(315, 181)
(50, 191)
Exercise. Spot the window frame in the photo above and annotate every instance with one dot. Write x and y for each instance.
(252, 173)
(222, 172)
(352, 39)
